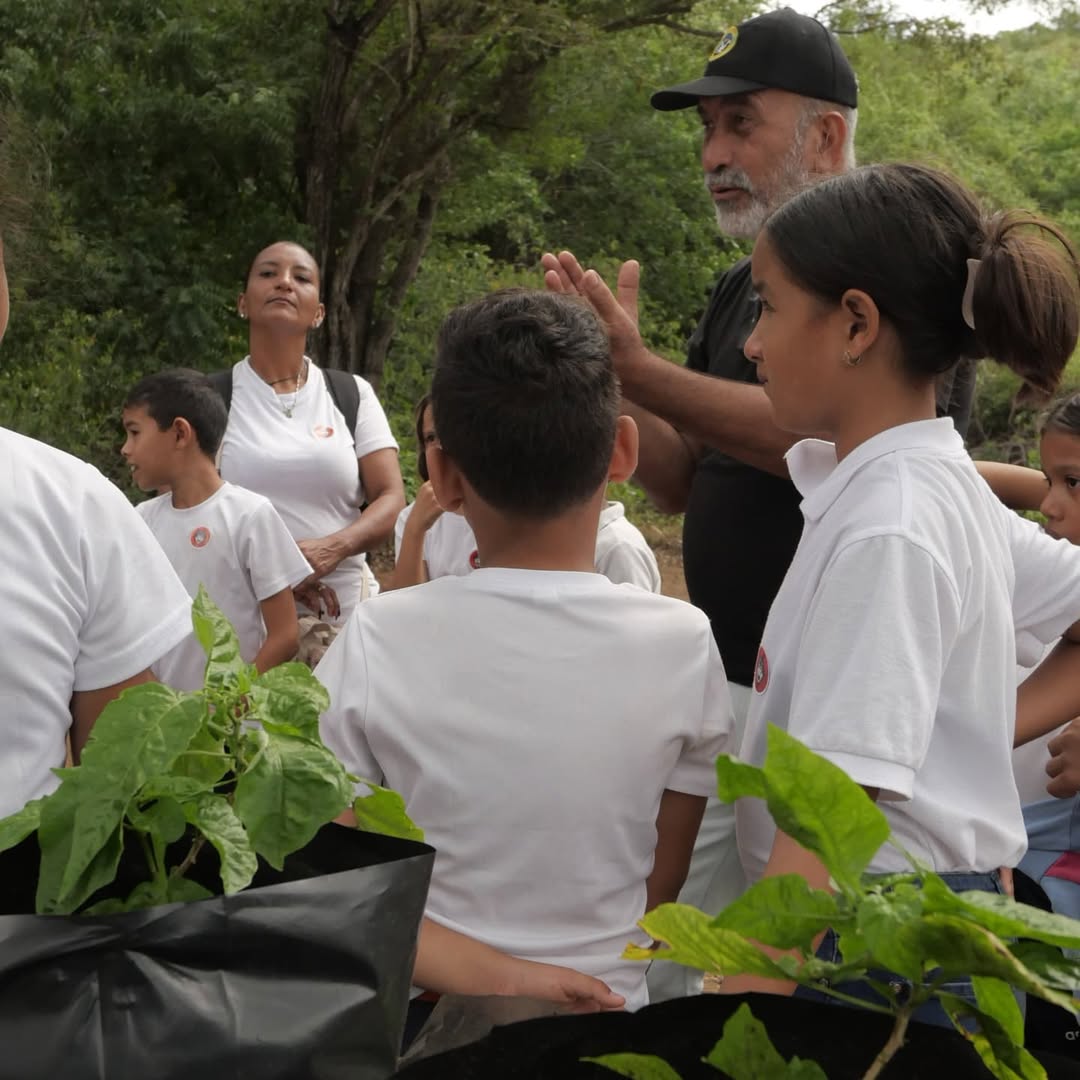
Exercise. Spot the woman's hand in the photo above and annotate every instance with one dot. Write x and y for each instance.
(323, 554)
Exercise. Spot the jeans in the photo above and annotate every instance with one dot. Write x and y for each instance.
(929, 1013)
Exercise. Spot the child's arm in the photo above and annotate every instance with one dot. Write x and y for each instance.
(677, 826)
(787, 857)
(1064, 765)
(282, 631)
(411, 569)
(1050, 695)
(451, 963)
(1019, 488)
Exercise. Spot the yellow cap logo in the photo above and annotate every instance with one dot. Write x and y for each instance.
(725, 44)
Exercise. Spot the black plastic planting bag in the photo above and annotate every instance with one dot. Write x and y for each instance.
(302, 976)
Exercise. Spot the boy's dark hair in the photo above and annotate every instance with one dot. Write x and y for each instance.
(526, 400)
(1063, 415)
(903, 234)
(418, 425)
(181, 392)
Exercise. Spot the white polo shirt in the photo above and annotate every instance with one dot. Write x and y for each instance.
(890, 647)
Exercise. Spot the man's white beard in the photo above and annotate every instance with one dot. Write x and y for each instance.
(745, 221)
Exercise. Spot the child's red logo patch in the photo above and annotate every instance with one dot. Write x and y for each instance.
(474, 560)
(200, 537)
(761, 671)
(323, 431)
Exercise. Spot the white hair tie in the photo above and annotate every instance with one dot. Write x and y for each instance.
(969, 292)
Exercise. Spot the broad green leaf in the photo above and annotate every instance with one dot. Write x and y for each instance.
(96, 874)
(746, 1053)
(695, 942)
(136, 737)
(173, 787)
(1001, 914)
(184, 890)
(383, 811)
(782, 911)
(164, 818)
(995, 998)
(888, 923)
(1048, 963)
(821, 807)
(734, 779)
(292, 790)
(150, 894)
(961, 948)
(1004, 1058)
(15, 828)
(636, 1066)
(205, 761)
(218, 639)
(290, 694)
(215, 818)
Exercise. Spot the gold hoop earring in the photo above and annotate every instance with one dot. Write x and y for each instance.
(852, 361)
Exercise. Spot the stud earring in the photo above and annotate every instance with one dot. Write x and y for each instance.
(852, 361)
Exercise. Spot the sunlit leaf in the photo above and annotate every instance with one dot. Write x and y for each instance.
(746, 1053)
(782, 911)
(383, 811)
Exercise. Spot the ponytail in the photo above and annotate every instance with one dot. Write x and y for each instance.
(1026, 297)
(904, 234)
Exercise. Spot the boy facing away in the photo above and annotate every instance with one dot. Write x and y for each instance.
(553, 733)
(214, 533)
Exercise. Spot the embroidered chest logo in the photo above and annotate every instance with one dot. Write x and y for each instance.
(322, 431)
(200, 536)
(474, 560)
(761, 671)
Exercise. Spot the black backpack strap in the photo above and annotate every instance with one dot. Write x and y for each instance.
(346, 395)
(222, 383)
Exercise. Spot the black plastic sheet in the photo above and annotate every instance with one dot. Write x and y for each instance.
(303, 976)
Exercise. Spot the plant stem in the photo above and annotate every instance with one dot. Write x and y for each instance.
(894, 1042)
(190, 857)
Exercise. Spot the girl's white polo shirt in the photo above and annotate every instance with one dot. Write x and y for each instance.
(890, 648)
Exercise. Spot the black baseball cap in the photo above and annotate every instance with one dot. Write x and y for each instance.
(780, 50)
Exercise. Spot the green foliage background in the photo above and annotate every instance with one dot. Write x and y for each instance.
(154, 148)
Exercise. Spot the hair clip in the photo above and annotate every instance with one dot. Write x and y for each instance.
(966, 311)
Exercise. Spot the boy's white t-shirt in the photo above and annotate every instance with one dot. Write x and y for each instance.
(305, 464)
(235, 544)
(87, 600)
(532, 720)
(622, 553)
(891, 646)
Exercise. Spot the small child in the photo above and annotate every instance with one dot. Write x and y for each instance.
(214, 533)
(429, 543)
(1053, 824)
(554, 734)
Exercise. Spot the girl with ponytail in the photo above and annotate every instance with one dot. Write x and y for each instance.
(890, 647)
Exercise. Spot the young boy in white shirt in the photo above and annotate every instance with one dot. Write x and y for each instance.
(553, 733)
(214, 533)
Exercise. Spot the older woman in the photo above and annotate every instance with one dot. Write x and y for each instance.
(289, 440)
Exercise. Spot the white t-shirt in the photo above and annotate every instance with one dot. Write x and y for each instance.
(891, 646)
(87, 600)
(305, 464)
(532, 720)
(449, 545)
(235, 544)
(622, 553)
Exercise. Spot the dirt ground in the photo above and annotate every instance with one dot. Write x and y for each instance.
(666, 545)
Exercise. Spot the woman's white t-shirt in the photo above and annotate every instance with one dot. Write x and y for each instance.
(306, 463)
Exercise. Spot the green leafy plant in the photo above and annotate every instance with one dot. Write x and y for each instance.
(909, 923)
(238, 765)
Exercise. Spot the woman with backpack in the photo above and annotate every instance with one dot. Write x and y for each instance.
(315, 442)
